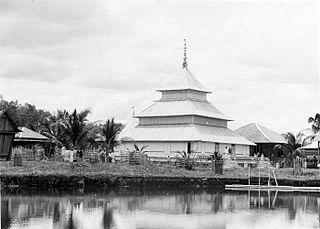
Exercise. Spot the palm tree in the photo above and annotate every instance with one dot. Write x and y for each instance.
(315, 123)
(52, 128)
(54, 132)
(74, 127)
(187, 159)
(292, 148)
(140, 150)
(109, 132)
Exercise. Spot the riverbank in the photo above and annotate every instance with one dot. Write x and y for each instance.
(47, 174)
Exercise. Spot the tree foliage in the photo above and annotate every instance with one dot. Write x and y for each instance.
(291, 149)
(74, 128)
(315, 123)
(64, 128)
(26, 115)
(108, 134)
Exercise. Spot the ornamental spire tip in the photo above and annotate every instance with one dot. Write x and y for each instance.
(185, 64)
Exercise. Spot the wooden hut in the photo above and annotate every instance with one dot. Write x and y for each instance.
(264, 138)
(7, 131)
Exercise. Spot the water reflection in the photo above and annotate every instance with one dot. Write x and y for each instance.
(159, 209)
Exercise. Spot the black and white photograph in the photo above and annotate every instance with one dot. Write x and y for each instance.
(159, 114)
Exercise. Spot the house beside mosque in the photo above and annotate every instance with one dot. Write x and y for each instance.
(313, 149)
(264, 138)
(183, 120)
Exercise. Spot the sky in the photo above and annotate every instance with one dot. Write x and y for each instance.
(260, 59)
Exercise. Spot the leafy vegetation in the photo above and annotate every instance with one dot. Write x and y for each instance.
(64, 128)
(187, 159)
(108, 134)
(315, 123)
(291, 149)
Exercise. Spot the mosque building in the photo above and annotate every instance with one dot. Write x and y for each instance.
(183, 120)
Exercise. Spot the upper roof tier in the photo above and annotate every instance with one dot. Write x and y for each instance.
(184, 80)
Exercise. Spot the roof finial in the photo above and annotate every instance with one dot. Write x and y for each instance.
(185, 64)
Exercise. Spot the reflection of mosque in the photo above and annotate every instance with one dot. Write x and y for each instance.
(148, 210)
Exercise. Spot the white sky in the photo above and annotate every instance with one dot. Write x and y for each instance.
(259, 58)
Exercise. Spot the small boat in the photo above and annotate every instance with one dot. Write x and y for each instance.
(268, 187)
(240, 187)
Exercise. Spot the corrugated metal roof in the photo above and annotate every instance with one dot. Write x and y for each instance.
(259, 134)
(184, 79)
(27, 134)
(185, 107)
(172, 133)
(132, 123)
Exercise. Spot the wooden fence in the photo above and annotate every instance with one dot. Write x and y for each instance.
(29, 154)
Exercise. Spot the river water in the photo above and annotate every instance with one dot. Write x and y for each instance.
(158, 208)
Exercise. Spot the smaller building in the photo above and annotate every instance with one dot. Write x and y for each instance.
(7, 131)
(28, 138)
(30, 144)
(264, 138)
(313, 149)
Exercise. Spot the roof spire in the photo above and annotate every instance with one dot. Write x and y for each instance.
(185, 64)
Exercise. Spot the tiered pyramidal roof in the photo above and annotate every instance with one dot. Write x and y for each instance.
(183, 113)
(184, 96)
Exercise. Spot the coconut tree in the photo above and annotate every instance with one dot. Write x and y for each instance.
(315, 123)
(292, 148)
(52, 128)
(74, 127)
(54, 132)
(108, 134)
(140, 150)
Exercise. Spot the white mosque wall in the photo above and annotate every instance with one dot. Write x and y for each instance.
(183, 95)
(242, 150)
(209, 121)
(165, 149)
(187, 119)
(165, 120)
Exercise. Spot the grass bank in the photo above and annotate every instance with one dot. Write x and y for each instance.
(47, 174)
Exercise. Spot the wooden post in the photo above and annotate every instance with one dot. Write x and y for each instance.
(269, 199)
(318, 151)
(249, 175)
(259, 176)
(275, 179)
(269, 178)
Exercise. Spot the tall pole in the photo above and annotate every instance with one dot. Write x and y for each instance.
(269, 178)
(259, 176)
(318, 154)
(249, 175)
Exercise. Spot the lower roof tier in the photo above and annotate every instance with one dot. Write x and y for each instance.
(171, 133)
